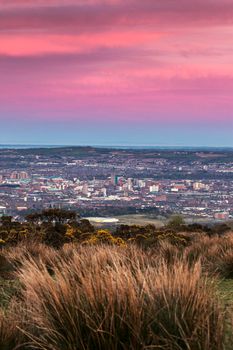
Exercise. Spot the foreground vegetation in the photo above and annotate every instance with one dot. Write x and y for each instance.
(66, 286)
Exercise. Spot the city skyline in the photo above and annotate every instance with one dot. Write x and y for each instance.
(100, 182)
(113, 72)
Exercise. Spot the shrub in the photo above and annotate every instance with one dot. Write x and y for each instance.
(104, 237)
(176, 222)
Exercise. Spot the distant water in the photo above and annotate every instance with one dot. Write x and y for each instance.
(27, 146)
(122, 147)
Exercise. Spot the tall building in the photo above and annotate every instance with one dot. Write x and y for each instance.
(23, 175)
(19, 175)
(114, 179)
(154, 188)
(130, 184)
(14, 175)
(85, 189)
(104, 192)
(198, 186)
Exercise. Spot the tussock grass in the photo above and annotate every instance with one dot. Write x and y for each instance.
(11, 338)
(6, 267)
(106, 297)
(215, 253)
(16, 255)
(111, 298)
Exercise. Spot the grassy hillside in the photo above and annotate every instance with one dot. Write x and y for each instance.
(136, 288)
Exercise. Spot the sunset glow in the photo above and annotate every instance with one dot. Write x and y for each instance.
(116, 72)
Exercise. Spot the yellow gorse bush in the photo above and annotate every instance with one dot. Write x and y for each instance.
(2, 241)
(70, 231)
(104, 236)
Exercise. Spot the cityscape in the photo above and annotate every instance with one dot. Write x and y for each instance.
(102, 182)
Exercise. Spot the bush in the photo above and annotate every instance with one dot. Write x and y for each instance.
(176, 222)
(104, 237)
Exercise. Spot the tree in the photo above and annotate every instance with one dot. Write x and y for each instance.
(176, 222)
(55, 216)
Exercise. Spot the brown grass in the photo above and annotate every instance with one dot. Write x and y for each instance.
(96, 300)
(11, 338)
(16, 255)
(215, 253)
(117, 298)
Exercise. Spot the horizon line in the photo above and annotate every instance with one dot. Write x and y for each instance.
(45, 145)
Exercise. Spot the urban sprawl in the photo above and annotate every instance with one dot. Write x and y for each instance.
(193, 183)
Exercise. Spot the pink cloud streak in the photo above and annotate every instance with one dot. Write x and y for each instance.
(169, 60)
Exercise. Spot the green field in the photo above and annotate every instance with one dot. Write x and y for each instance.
(139, 219)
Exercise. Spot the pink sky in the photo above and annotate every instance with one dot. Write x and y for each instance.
(165, 62)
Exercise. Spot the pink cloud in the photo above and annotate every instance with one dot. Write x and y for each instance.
(169, 60)
(23, 45)
(102, 15)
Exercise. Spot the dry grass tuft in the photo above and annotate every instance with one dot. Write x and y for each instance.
(116, 298)
(18, 254)
(215, 253)
(110, 298)
(11, 338)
